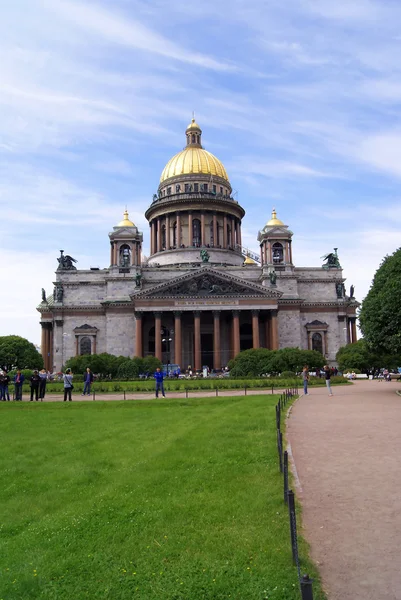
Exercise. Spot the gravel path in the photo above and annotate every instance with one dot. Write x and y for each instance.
(347, 452)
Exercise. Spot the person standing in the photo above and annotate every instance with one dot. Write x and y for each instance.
(88, 380)
(34, 383)
(159, 377)
(18, 381)
(68, 387)
(305, 377)
(327, 373)
(4, 381)
(42, 384)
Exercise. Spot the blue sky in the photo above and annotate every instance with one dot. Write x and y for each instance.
(299, 99)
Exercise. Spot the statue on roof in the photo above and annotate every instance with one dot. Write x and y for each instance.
(44, 299)
(332, 261)
(204, 254)
(273, 277)
(58, 292)
(65, 262)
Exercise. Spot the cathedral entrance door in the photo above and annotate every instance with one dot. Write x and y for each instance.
(207, 349)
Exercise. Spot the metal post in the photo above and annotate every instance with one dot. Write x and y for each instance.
(280, 437)
(293, 526)
(286, 477)
(124, 394)
(186, 392)
(217, 392)
(245, 390)
(272, 388)
(306, 588)
(94, 395)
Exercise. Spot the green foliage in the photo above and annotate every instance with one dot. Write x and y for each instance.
(106, 365)
(380, 314)
(166, 500)
(288, 375)
(16, 351)
(27, 373)
(131, 368)
(361, 357)
(257, 362)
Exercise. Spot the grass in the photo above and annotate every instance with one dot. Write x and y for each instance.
(152, 500)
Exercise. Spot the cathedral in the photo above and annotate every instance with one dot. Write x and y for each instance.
(200, 297)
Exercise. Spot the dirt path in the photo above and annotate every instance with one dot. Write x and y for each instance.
(347, 452)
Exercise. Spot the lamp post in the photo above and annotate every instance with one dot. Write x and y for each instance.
(167, 339)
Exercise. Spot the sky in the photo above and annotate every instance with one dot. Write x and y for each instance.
(299, 99)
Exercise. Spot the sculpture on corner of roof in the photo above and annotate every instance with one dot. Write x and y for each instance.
(332, 261)
(340, 290)
(351, 291)
(204, 254)
(65, 262)
(138, 278)
(44, 299)
(273, 277)
(58, 292)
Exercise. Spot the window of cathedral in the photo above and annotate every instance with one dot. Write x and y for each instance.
(229, 241)
(193, 138)
(317, 342)
(196, 187)
(211, 233)
(163, 237)
(175, 234)
(177, 188)
(205, 187)
(169, 191)
(221, 190)
(278, 252)
(187, 188)
(196, 232)
(85, 346)
(214, 189)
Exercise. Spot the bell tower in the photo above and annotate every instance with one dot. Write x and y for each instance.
(275, 241)
(125, 246)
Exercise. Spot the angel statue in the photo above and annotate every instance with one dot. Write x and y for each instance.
(204, 254)
(65, 262)
(273, 277)
(332, 261)
(44, 299)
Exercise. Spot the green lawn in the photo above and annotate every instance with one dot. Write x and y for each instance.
(151, 500)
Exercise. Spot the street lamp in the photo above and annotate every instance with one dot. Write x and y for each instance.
(167, 339)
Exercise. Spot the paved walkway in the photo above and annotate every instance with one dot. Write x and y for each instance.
(347, 452)
(150, 395)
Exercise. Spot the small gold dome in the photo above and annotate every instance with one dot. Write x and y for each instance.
(274, 220)
(193, 125)
(126, 222)
(192, 161)
(249, 261)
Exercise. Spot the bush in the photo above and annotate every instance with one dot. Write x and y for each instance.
(288, 375)
(260, 361)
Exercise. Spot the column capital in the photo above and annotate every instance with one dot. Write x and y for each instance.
(235, 313)
(216, 313)
(255, 312)
(178, 313)
(157, 315)
(138, 314)
(197, 313)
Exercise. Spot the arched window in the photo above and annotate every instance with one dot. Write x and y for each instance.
(211, 233)
(85, 346)
(125, 256)
(193, 138)
(196, 232)
(175, 234)
(163, 237)
(317, 342)
(278, 252)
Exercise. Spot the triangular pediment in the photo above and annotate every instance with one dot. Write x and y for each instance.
(124, 233)
(207, 282)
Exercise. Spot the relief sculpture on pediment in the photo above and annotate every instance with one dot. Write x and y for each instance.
(207, 285)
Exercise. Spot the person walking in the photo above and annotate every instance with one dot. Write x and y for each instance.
(305, 377)
(68, 387)
(159, 377)
(18, 381)
(327, 373)
(34, 383)
(88, 380)
(42, 384)
(4, 381)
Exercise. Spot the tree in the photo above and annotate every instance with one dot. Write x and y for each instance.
(16, 351)
(103, 364)
(257, 362)
(362, 357)
(380, 314)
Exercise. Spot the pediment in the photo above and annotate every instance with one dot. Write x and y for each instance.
(124, 233)
(207, 282)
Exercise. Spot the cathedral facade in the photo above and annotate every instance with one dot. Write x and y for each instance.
(200, 297)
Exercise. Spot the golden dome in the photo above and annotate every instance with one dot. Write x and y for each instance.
(249, 261)
(126, 222)
(192, 161)
(274, 220)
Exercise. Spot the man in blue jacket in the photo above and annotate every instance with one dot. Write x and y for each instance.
(159, 382)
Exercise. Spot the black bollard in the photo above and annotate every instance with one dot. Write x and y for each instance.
(124, 394)
(186, 392)
(306, 588)
(280, 437)
(217, 392)
(286, 477)
(94, 397)
(293, 526)
(245, 389)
